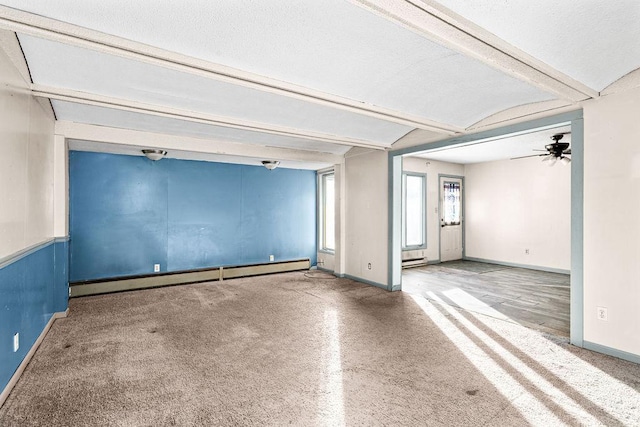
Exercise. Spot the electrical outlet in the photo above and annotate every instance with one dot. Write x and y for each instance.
(369, 266)
(526, 251)
(603, 314)
(16, 342)
(156, 268)
(271, 258)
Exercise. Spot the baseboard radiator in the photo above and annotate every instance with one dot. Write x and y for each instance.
(414, 258)
(128, 283)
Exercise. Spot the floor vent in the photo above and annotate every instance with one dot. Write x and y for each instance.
(129, 283)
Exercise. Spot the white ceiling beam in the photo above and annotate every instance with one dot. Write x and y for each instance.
(11, 47)
(442, 26)
(128, 137)
(50, 29)
(9, 44)
(555, 106)
(191, 116)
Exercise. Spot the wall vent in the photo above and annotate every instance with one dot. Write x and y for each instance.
(413, 258)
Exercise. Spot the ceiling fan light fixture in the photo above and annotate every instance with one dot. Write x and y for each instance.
(270, 164)
(547, 158)
(552, 161)
(565, 160)
(154, 155)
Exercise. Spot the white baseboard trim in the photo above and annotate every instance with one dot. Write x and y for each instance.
(18, 373)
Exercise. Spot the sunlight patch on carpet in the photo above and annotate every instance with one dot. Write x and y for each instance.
(531, 408)
(536, 383)
(603, 390)
(331, 403)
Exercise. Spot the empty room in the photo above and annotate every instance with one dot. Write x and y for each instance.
(344, 212)
(488, 227)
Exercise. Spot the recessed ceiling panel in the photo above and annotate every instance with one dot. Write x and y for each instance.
(101, 116)
(501, 148)
(596, 42)
(333, 46)
(59, 65)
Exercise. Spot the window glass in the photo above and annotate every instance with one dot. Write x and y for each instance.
(327, 228)
(451, 202)
(414, 210)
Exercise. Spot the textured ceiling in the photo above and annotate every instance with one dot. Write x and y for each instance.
(362, 57)
(501, 148)
(361, 73)
(594, 41)
(89, 114)
(60, 65)
(332, 46)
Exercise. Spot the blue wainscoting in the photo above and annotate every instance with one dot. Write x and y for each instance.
(128, 213)
(33, 286)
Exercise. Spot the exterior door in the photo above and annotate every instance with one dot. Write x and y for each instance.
(451, 219)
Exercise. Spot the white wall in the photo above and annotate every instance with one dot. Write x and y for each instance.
(366, 232)
(26, 164)
(513, 205)
(611, 212)
(611, 220)
(61, 187)
(432, 168)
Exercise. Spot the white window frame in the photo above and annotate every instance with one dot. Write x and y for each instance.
(322, 238)
(404, 210)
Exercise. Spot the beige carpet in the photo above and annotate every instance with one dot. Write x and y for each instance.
(308, 349)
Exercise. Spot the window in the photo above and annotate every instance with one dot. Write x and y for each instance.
(327, 223)
(413, 210)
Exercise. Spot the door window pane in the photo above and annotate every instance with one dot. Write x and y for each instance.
(451, 201)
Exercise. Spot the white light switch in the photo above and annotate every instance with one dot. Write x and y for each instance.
(16, 342)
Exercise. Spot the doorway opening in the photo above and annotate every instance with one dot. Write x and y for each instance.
(503, 229)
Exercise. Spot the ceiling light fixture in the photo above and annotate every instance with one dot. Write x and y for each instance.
(565, 160)
(154, 154)
(270, 164)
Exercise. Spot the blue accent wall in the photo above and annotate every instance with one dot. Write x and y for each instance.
(128, 213)
(32, 288)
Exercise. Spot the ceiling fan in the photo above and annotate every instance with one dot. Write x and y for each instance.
(556, 151)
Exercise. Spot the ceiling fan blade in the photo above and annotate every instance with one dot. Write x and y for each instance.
(567, 151)
(524, 157)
